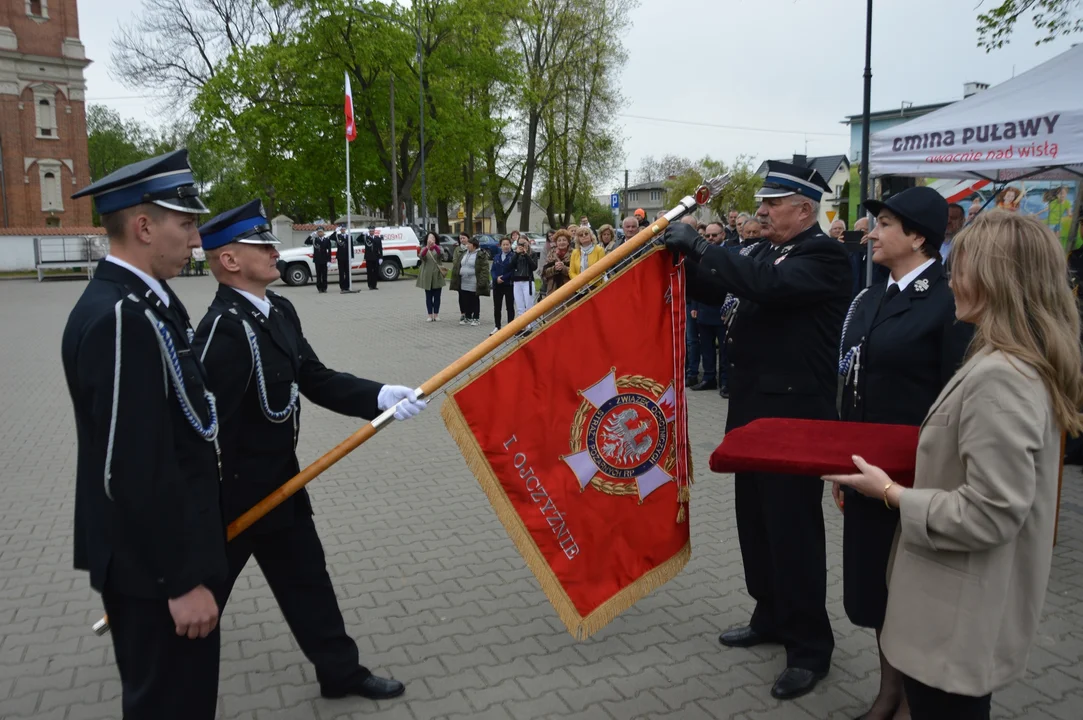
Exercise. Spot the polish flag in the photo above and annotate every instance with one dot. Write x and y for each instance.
(351, 128)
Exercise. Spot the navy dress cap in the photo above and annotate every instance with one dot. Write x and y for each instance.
(165, 180)
(246, 224)
(784, 179)
(923, 208)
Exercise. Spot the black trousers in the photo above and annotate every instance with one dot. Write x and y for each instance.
(928, 703)
(503, 293)
(470, 304)
(711, 339)
(372, 272)
(292, 560)
(321, 276)
(162, 676)
(780, 524)
(344, 274)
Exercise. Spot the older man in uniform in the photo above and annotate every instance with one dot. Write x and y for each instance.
(259, 364)
(787, 298)
(148, 524)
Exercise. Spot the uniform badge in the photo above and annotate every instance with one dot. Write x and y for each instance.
(921, 285)
(783, 253)
(622, 436)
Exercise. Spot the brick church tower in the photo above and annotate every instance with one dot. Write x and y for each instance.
(43, 135)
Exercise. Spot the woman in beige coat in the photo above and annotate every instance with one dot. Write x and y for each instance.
(972, 554)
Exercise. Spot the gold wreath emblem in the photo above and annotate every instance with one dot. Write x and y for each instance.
(604, 483)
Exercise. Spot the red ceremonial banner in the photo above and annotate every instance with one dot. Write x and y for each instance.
(579, 437)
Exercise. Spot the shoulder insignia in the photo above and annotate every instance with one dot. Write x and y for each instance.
(233, 310)
(921, 285)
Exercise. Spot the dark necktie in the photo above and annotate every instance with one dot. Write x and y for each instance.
(892, 291)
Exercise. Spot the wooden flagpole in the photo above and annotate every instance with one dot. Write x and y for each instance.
(552, 301)
(430, 386)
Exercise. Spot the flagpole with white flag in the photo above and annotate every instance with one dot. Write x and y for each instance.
(351, 133)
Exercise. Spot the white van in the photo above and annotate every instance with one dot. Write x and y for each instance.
(401, 249)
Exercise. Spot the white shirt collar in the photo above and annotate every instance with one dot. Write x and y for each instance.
(152, 283)
(911, 276)
(262, 304)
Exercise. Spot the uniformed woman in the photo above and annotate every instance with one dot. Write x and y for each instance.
(901, 343)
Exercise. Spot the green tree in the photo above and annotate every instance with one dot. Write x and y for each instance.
(657, 170)
(113, 143)
(739, 193)
(1053, 18)
(577, 128)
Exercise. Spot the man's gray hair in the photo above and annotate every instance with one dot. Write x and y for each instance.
(815, 206)
(753, 218)
(743, 215)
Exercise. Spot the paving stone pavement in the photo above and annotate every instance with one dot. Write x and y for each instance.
(429, 583)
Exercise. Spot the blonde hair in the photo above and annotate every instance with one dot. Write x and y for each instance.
(607, 229)
(1013, 270)
(581, 230)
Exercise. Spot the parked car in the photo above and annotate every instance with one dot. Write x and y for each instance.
(448, 243)
(401, 248)
(537, 243)
(489, 243)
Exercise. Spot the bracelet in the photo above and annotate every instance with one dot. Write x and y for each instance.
(886, 488)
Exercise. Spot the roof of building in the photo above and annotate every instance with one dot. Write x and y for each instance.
(825, 165)
(900, 112)
(651, 185)
(312, 226)
(52, 230)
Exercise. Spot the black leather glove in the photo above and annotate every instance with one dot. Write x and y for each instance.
(682, 238)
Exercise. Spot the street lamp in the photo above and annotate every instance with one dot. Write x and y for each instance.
(420, 103)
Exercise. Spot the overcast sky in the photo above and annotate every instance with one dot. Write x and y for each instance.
(792, 69)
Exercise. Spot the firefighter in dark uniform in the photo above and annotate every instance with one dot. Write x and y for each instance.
(148, 524)
(344, 254)
(321, 258)
(786, 301)
(259, 364)
(374, 258)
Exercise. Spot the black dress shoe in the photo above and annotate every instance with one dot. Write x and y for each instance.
(705, 386)
(372, 687)
(795, 682)
(743, 637)
(724, 392)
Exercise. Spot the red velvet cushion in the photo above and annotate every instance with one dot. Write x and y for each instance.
(817, 447)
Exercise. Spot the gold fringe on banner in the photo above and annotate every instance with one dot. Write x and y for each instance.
(579, 626)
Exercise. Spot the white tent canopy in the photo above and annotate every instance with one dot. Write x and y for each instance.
(1029, 126)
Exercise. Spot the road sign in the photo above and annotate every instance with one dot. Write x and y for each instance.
(831, 215)
(614, 201)
(462, 215)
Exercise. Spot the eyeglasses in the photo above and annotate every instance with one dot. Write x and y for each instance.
(711, 235)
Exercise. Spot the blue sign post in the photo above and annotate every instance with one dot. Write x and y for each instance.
(614, 201)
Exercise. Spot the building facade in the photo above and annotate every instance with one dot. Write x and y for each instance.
(43, 135)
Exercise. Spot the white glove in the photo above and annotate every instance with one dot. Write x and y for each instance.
(402, 398)
(381, 261)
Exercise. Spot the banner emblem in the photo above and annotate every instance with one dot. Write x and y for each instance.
(621, 434)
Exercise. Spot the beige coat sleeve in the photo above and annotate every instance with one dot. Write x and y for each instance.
(1001, 428)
